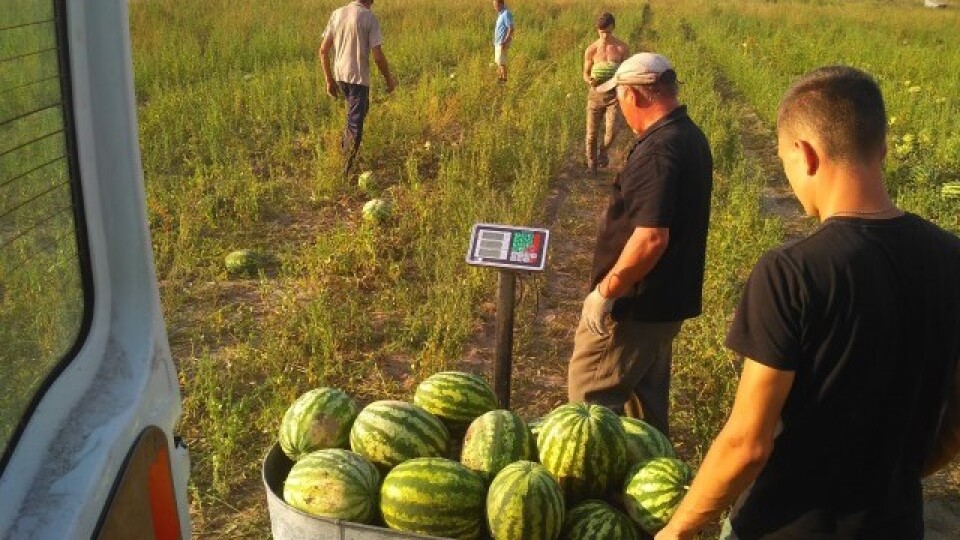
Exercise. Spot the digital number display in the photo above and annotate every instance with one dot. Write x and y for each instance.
(506, 246)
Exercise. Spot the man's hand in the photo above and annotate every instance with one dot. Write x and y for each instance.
(333, 90)
(595, 310)
(391, 82)
(667, 534)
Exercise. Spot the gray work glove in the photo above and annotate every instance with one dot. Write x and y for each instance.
(595, 311)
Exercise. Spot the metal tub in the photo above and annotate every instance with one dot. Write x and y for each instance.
(288, 523)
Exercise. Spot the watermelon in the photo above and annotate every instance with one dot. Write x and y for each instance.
(246, 261)
(320, 418)
(601, 72)
(367, 182)
(493, 441)
(597, 520)
(376, 210)
(334, 483)
(391, 432)
(583, 447)
(653, 489)
(525, 503)
(434, 496)
(456, 397)
(950, 190)
(644, 441)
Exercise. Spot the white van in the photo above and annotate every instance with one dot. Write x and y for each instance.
(90, 395)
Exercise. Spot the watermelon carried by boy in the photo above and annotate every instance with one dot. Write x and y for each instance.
(320, 418)
(602, 72)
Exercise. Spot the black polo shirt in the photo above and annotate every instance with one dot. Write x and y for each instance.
(665, 183)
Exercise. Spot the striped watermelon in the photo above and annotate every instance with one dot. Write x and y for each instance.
(320, 418)
(456, 397)
(597, 520)
(434, 496)
(602, 71)
(524, 503)
(645, 441)
(391, 432)
(493, 441)
(653, 489)
(582, 445)
(334, 483)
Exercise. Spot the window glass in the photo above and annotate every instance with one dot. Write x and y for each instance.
(41, 286)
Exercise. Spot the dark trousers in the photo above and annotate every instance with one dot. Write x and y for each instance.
(358, 103)
(627, 370)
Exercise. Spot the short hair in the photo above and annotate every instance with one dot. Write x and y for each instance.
(841, 106)
(605, 21)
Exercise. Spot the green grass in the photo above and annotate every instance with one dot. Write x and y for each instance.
(240, 150)
(762, 47)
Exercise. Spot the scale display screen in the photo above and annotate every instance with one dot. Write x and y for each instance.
(506, 246)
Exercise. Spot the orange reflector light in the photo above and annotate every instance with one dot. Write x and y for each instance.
(163, 502)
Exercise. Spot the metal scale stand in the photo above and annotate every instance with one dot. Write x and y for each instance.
(510, 250)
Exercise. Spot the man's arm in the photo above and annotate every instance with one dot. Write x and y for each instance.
(324, 54)
(644, 248)
(509, 37)
(947, 445)
(642, 252)
(588, 64)
(624, 51)
(384, 67)
(739, 452)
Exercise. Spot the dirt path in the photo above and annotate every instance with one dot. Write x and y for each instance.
(549, 304)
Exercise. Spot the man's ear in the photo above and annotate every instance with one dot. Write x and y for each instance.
(811, 157)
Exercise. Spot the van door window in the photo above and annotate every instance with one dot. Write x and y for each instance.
(42, 292)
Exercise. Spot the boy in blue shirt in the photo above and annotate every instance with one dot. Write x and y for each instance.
(502, 37)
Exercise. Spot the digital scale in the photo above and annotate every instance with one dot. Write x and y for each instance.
(509, 249)
(506, 246)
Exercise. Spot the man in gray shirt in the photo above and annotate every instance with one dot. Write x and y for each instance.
(353, 32)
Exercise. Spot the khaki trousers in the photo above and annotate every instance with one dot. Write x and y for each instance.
(628, 370)
(601, 115)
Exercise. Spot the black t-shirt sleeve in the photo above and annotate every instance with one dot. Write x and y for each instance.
(650, 191)
(767, 325)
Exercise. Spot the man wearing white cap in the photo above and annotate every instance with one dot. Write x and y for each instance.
(650, 252)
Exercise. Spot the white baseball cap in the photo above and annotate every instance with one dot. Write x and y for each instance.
(641, 68)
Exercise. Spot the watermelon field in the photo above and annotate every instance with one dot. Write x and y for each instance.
(240, 149)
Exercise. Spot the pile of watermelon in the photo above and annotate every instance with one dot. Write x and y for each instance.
(451, 464)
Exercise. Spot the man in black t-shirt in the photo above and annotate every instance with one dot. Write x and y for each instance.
(650, 253)
(850, 391)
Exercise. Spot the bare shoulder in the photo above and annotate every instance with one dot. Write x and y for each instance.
(591, 48)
